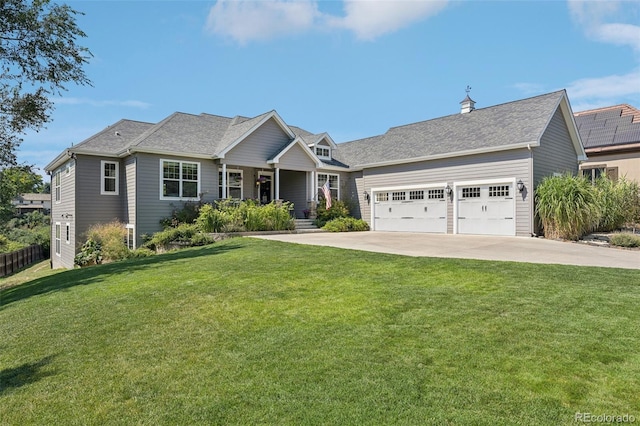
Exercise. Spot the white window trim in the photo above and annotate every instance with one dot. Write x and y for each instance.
(130, 226)
(103, 177)
(319, 185)
(57, 187)
(227, 180)
(324, 157)
(67, 233)
(181, 162)
(57, 243)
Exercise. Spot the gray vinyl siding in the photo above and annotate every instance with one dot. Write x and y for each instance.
(556, 153)
(506, 164)
(361, 207)
(64, 212)
(128, 191)
(293, 188)
(264, 143)
(91, 206)
(296, 159)
(150, 208)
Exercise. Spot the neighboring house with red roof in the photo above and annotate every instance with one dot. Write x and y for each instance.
(611, 140)
(473, 172)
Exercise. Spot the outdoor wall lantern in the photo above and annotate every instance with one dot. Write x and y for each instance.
(520, 186)
(448, 190)
(366, 196)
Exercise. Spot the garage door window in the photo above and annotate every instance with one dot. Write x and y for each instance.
(382, 196)
(416, 195)
(436, 194)
(398, 196)
(471, 192)
(499, 191)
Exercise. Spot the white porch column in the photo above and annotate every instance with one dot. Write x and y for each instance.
(224, 181)
(277, 183)
(314, 190)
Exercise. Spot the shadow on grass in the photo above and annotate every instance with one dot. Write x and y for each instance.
(95, 274)
(12, 378)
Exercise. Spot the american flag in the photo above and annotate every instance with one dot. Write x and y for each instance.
(327, 194)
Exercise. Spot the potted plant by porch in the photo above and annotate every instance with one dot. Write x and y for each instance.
(306, 213)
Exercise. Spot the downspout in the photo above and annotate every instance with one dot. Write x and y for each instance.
(532, 195)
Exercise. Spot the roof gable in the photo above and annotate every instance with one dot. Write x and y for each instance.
(239, 132)
(297, 142)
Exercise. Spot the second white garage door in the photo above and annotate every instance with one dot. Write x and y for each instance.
(486, 209)
(411, 210)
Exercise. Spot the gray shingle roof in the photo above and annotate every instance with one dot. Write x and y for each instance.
(499, 126)
(185, 133)
(114, 138)
(611, 126)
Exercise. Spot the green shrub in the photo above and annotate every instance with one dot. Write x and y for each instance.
(181, 234)
(567, 206)
(346, 224)
(201, 239)
(187, 213)
(323, 215)
(141, 252)
(90, 254)
(40, 235)
(624, 239)
(7, 246)
(250, 215)
(211, 219)
(111, 238)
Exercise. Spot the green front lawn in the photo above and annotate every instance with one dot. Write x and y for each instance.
(249, 331)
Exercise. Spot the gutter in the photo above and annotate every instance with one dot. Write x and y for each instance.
(528, 145)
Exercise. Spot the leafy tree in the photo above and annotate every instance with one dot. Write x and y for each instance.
(14, 181)
(38, 57)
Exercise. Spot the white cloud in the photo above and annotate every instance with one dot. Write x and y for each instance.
(96, 103)
(622, 34)
(607, 22)
(245, 21)
(590, 93)
(369, 19)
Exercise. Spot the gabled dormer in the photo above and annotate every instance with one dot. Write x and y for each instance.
(322, 145)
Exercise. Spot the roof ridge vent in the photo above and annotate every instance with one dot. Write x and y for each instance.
(467, 104)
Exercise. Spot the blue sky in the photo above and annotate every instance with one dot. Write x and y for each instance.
(350, 68)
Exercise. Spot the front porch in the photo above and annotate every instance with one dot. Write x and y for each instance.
(267, 185)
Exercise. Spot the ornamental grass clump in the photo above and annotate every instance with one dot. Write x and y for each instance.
(111, 240)
(567, 206)
(619, 203)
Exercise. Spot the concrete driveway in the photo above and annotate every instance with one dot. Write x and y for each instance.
(517, 249)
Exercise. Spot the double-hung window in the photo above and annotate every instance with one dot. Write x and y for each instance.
(334, 184)
(56, 186)
(57, 238)
(234, 184)
(109, 178)
(179, 180)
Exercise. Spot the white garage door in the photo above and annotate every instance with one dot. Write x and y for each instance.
(411, 210)
(487, 209)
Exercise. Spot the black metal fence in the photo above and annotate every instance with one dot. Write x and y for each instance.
(12, 262)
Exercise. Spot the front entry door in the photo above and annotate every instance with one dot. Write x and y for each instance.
(265, 187)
